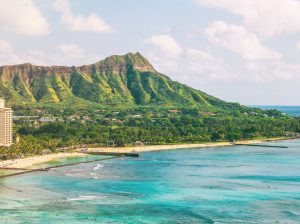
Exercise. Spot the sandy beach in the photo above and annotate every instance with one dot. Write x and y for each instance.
(30, 161)
(149, 148)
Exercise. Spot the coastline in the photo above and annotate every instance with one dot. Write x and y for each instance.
(30, 161)
(151, 148)
(33, 160)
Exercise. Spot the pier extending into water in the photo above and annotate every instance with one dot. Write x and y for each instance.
(25, 170)
(131, 154)
(267, 146)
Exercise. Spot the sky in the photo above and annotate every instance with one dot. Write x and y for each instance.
(245, 51)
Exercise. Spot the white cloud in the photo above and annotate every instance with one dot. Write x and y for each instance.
(165, 45)
(239, 40)
(298, 46)
(206, 65)
(5, 47)
(22, 16)
(66, 54)
(79, 23)
(33, 56)
(184, 64)
(275, 70)
(267, 17)
(70, 54)
(71, 50)
(9, 56)
(164, 52)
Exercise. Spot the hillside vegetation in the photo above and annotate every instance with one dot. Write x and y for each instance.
(125, 100)
(126, 81)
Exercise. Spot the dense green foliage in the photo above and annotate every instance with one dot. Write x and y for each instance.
(150, 127)
(121, 81)
(124, 99)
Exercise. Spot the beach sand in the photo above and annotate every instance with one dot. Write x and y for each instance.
(30, 161)
(149, 148)
(177, 146)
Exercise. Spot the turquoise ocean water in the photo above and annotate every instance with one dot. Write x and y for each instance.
(235, 184)
(291, 110)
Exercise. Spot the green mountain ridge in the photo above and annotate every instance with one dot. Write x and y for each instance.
(128, 81)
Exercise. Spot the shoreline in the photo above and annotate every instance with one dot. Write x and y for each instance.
(33, 160)
(151, 148)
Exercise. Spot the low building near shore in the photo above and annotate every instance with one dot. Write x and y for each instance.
(138, 143)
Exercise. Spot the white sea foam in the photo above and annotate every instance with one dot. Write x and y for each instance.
(98, 167)
(94, 175)
(69, 174)
(72, 174)
(86, 198)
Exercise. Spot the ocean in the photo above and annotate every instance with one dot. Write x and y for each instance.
(228, 185)
(291, 110)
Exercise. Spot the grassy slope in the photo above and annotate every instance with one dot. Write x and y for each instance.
(121, 81)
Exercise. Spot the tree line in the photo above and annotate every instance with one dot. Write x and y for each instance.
(164, 130)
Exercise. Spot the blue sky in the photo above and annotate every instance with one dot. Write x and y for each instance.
(243, 51)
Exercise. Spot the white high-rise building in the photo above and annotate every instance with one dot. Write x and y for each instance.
(6, 122)
(2, 103)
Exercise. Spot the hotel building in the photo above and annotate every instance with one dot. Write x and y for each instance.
(6, 121)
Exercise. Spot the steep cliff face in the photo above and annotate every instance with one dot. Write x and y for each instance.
(118, 80)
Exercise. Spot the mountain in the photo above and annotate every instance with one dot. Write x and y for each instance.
(128, 80)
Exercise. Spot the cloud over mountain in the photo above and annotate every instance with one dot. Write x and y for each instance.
(23, 17)
(80, 23)
(267, 17)
(239, 40)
